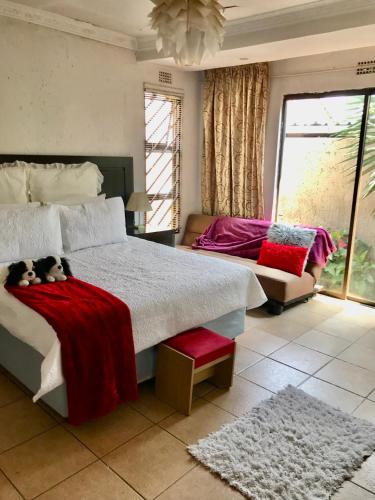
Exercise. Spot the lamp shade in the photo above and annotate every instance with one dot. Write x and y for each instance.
(188, 30)
(138, 202)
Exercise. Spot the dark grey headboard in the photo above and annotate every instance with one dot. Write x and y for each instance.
(117, 172)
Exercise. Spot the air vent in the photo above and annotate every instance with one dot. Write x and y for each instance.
(165, 77)
(366, 67)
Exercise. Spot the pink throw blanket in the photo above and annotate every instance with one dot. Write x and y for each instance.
(243, 238)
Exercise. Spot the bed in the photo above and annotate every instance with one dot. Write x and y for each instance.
(167, 290)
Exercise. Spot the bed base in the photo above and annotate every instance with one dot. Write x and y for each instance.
(23, 362)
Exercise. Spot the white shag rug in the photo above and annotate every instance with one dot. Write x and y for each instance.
(290, 447)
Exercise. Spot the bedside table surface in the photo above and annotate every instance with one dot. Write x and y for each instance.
(136, 233)
(164, 237)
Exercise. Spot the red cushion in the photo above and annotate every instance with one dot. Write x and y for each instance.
(201, 344)
(285, 257)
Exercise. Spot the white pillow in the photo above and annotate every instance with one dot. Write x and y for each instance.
(93, 224)
(19, 205)
(57, 181)
(29, 233)
(13, 183)
(78, 200)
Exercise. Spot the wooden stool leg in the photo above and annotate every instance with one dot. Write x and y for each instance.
(174, 379)
(223, 376)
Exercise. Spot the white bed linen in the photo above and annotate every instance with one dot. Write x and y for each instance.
(29, 233)
(93, 224)
(167, 290)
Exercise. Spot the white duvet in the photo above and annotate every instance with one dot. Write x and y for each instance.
(167, 290)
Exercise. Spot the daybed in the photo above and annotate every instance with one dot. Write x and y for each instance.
(281, 288)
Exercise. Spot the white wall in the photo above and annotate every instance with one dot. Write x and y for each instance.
(333, 71)
(62, 94)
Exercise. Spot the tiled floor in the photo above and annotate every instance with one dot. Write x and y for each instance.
(326, 347)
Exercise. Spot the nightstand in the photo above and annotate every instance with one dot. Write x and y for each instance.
(163, 237)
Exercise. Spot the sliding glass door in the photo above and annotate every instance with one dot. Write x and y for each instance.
(361, 282)
(327, 178)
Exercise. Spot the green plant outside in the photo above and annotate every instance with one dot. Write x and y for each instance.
(362, 281)
(352, 132)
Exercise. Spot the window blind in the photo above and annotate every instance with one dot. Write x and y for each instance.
(163, 117)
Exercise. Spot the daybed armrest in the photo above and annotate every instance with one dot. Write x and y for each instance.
(196, 224)
(314, 269)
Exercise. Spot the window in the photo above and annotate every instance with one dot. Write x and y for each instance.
(163, 158)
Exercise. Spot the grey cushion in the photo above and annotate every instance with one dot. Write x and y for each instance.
(287, 234)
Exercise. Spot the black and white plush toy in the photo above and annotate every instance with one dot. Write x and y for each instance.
(22, 274)
(53, 268)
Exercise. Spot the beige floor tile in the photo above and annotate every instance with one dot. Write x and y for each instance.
(241, 397)
(42, 462)
(259, 313)
(322, 342)
(149, 405)
(107, 433)
(205, 418)
(350, 491)
(344, 329)
(366, 410)
(303, 315)
(359, 355)
(96, 482)
(301, 358)
(20, 421)
(9, 392)
(273, 376)
(151, 462)
(245, 358)
(365, 476)
(350, 377)
(260, 341)
(201, 389)
(368, 340)
(372, 396)
(332, 395)
(200, 484)
(361, 315)
(323, 305)
(284, 327)
(7, 491)
(255, 318)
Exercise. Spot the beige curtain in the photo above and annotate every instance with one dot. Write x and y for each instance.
(234, 118)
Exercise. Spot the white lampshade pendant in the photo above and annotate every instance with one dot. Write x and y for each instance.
(188, 30)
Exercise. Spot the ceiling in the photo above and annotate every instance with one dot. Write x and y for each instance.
(256, 30)
(130, 16)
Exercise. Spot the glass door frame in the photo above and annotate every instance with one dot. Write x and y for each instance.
(366, 93)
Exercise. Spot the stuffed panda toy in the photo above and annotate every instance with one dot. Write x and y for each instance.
(53, 268)
(22, 274)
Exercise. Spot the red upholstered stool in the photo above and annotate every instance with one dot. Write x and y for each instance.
(190, 358)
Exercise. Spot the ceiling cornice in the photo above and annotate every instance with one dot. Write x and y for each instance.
(66, 24)
(313, 11)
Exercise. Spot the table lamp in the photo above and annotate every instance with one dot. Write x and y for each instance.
(139, 202)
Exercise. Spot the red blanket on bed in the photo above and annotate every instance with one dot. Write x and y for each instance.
(95, 332)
